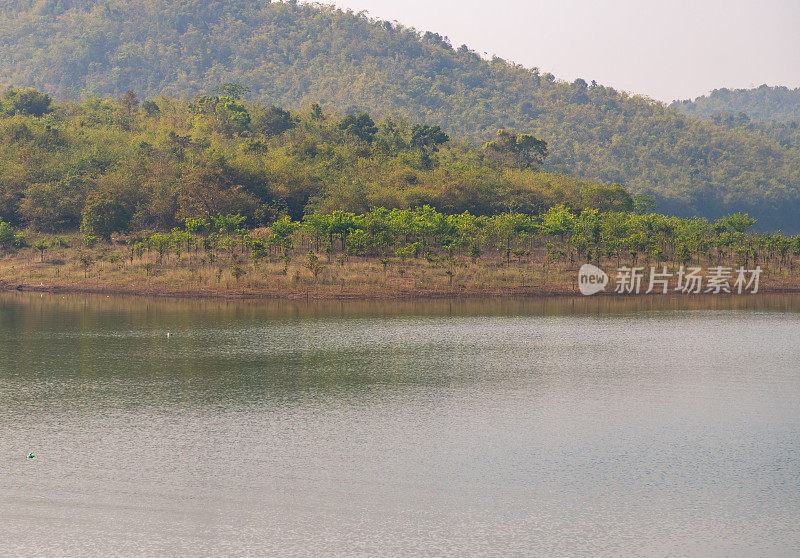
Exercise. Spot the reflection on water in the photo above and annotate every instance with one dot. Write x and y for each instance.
(543, 426)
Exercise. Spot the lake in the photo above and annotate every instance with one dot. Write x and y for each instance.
(636, 426)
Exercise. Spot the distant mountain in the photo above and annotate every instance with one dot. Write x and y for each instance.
(294, 54)
(764, 104)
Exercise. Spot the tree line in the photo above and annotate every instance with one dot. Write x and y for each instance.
(559, 237)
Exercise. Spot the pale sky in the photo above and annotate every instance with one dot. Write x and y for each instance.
(668, 49)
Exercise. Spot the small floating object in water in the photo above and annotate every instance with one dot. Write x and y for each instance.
(31, 455)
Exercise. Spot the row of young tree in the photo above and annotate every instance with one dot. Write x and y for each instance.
(558, 236)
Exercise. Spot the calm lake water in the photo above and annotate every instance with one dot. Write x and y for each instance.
(563, 427)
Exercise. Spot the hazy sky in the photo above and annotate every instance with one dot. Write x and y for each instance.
(667, 49)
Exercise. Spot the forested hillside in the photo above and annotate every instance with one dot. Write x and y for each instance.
(764, 104)
(293, 55)
(772, 112)
(152, 165)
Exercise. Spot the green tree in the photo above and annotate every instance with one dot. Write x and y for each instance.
(519, 150)
(41, 246)
(26, 101)
(274, 121)
(151, 108)
(316, 112)
(558, 221)
(607, 198)
(197, 226)
(130, 101)
(643, 203)
(428, 136)
(226, 115)
(103, 217)
(281, 234)
(235, 90)
(228, 223)
(6, 236)
(54, 206)
(360, 126)
(313, 264)
(162, 244)
(237, 271)
(737, 222)
(86, 261)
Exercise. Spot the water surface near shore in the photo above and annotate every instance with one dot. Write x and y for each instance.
(596, 426)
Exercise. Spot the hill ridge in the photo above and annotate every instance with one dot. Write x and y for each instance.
(294, 54)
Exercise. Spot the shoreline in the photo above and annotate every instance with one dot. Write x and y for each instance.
(532, 292)
(236, 272)
(292, 295)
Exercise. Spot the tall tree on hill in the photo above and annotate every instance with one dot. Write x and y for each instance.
(130, 101)
(520, 150)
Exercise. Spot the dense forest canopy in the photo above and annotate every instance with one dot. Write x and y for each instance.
(772, 112)
(763, 104)
(156, 163)
(293, 55)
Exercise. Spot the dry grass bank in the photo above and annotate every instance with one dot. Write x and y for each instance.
(117, 268)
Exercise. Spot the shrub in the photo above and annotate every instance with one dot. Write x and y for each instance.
(104, 217)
